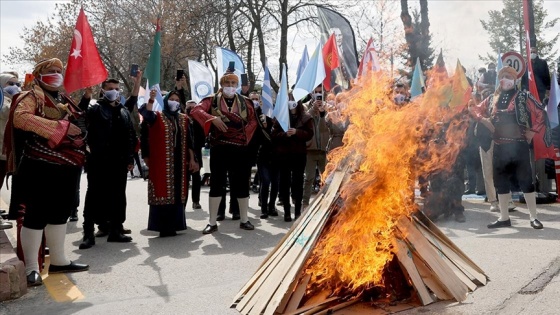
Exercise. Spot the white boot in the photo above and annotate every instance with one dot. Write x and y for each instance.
(30, 243)
(56, 235)
(243, 209)
(213, 205)
(503, 200)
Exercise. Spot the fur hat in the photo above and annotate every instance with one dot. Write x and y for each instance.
(507, 70)
(229, 76)
(45, 64)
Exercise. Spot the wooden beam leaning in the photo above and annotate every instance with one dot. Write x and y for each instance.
(425, 250)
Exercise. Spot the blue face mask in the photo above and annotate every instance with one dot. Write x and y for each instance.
(111, 95)
(12, 90)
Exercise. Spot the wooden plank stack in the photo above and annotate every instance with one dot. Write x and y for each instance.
(435, 267)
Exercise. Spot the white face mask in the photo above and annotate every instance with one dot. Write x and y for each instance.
(318, 96)
(52, 79)
(111, 95)
(12, 90)
(533, 55)
(507, 84)
(229, 90)
(292, 104)
(256, 104)
(399, 99)
(173, 106)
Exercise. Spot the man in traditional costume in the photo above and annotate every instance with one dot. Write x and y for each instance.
(513, 117)
(46, 151)
(231, 121)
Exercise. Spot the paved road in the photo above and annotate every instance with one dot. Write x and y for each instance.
(199, 274)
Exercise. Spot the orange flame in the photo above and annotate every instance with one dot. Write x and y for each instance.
(388, 147)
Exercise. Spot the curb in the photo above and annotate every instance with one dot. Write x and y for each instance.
(13, 281)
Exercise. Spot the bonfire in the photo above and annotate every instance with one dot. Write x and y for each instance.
(364, 239)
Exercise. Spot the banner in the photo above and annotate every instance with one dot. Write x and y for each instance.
(266, 95)
(302, 63)
(417, 84)
(553, 101)
(281, 110)
(201, 80)
(331, 60)
(312, 76)
(541, 141)
(331, 22)
(153, 71)
(224, 56)
(85, 67)
(369, 62)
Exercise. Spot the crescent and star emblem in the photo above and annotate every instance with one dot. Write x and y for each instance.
(77, 50)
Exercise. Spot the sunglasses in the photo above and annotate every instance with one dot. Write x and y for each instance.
(14, 83)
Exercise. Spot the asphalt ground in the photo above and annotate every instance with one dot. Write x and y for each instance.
(194, 273)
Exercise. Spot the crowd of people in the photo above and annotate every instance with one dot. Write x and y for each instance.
(49, 141)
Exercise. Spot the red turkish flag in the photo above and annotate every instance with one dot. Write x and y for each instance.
(85, 67)
(542, 151)
(330, 59)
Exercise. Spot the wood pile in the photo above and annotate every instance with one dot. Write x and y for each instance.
(430, 262)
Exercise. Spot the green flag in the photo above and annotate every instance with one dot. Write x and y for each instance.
(153, 69)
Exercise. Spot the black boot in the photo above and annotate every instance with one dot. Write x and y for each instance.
(297, 210)
(74, 215)
(115, 235)
(287, 214)
(89, 235)
(88, 241)
(264, 211)
(272, 210)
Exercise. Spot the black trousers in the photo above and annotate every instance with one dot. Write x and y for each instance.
(511, 162)
(268, 175)
(291, 172)
(47, 190)
(232, 160)
(196, 184)
(105, 202)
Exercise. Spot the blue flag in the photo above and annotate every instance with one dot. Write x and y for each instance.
(302, 63)
(267, 92)
(281, 111)
(312, 76)
(417, 80)
(499, 66)
(553, 101)
(224, 57)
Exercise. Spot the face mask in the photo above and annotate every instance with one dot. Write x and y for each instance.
(318, 96)
(256, 104)
(399, 99)
(111, 95)
(292, 104)
(507, 84)
(12, 90)
(229, 90)
(173, 106)
(533, 55)
(52, 79)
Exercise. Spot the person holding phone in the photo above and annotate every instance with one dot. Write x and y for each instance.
(230, 120)
(317, 146)
(112, 142)
(182, 87)
(170, 159)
